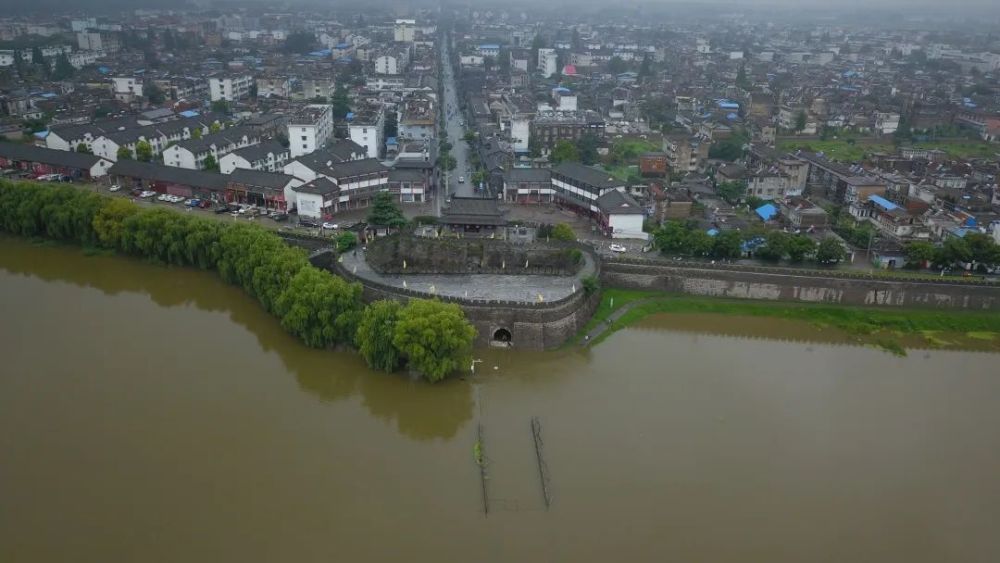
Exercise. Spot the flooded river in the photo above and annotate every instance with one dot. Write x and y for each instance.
(158, 415)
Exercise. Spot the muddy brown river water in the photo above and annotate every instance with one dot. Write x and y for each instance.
(158, 415)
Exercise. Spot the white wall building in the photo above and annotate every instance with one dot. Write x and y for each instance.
(126, 88)
(520, 132)
(547, 62)
(387, 64)
(81, 59)
(310, 128)
(367, 130)
(886, 123)
(266, 157)
(317, 88)
(273, 86)
(404, 31)
(229, 88)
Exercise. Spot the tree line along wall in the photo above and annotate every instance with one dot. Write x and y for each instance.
(799, 287)
(422, 255)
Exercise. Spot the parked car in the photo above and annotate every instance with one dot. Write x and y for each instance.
(163, 197)
(222, 209)
(114, 188)
(331, 226)
(461, 179)
(307, 223)
(147, 194)
(280, 217)
(617, 248)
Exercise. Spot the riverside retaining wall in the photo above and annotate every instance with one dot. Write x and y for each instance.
(790, 285)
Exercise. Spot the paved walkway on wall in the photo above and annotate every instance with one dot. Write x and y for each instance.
(487, 287)
(606, 325)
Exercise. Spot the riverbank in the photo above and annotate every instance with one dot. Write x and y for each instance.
(891, 329)
(320, 309)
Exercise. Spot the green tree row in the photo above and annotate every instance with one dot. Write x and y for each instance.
(679, 239)
(323, 310)
(975, 248)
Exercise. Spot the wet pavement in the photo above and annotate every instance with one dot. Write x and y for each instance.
(489, 287)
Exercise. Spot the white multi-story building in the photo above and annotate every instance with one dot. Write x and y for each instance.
(392, 61)
(229, 88)
(83, 25)
(565, 100)
(367, 130)
(266, 157)
(191, 154)
(97, 41)
(310, 128)
(273, 86)
(81, 59)
(56, 50)
(520, 132)
(126, 88)
(404, 31)
(317, 88)
(886, 123)
(547, 62)
(387, 64)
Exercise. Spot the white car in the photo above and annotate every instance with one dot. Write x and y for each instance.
(114, 188)
(617, 248)
(461, 179)
(331, 226)
(147, 194)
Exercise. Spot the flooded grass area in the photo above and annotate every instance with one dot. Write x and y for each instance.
(891, 329)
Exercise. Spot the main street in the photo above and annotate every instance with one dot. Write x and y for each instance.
(453, 125)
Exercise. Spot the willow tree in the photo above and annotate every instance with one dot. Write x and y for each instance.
(434, 337)
(375, 334)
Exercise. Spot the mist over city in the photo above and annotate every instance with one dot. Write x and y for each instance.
(499, 281)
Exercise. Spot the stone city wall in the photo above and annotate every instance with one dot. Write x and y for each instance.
(532, 326)
(420, 255)
(787, 284)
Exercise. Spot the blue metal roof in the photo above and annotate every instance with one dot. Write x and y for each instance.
(189, 113)
(489, 46)
(712, 232)
(766, 211)
(882, 202)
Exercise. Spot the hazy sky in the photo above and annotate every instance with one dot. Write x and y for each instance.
(951, 8)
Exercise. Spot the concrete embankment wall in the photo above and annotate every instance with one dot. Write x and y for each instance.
(532, 326)
(791, 285)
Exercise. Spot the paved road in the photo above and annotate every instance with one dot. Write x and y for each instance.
(453, 119)
(603, 327)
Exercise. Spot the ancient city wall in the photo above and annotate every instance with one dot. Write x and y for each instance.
(421, 255)
(787, 284)
(532, 326)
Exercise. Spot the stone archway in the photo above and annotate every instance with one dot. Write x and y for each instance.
(502, 336)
